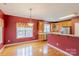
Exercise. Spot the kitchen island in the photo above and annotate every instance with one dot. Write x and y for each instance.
(64, 42)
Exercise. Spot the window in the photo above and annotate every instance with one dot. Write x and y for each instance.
(46, 28)
(29, 31)
(23, 31)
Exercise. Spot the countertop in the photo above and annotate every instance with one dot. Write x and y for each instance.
(57, 33)
(64, 34)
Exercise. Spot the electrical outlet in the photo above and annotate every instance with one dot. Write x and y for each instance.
(57, 43)
(8, 40)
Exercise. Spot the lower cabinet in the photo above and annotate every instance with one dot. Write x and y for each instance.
(42, 37)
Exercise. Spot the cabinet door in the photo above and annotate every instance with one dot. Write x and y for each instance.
(42, 37)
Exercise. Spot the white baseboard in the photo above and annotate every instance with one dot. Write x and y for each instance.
(2, 48)
(21, 42)
(16, 44)
(60, 50)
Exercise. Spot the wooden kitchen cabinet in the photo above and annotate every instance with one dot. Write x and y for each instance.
(42, 37)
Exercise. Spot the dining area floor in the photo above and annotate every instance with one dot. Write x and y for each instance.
(39, 48)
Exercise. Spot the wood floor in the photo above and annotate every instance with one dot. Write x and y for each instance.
(31, 49)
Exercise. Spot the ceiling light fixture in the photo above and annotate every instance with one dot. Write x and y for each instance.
(30, 23)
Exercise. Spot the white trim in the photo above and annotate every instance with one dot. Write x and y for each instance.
(60, 50)
(15, 44)
(2, 48)
(21, 42)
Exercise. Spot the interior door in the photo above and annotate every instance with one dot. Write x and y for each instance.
(77, 29)
(1, 30)
(0, 34)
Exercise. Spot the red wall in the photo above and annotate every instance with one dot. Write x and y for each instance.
(10, 29)
(1, 16)
(66, 43)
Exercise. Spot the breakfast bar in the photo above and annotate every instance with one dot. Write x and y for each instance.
(65, 42)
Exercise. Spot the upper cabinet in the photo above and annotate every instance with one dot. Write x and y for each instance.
(56, 27)
(64, 23)
(1, 14)
(41, 26)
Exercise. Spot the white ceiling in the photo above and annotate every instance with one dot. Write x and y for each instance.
(43, 11)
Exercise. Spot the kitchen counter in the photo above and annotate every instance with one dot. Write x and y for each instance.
(57, 33)
(43, 33)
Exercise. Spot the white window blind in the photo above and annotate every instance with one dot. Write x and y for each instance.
(24, 32)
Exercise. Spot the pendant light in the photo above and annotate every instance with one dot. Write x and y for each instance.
(30, 19)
